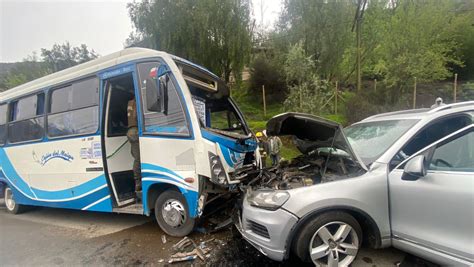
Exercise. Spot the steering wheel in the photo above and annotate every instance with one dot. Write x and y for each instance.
(443, 162)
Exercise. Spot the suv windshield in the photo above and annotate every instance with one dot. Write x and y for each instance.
(371, 139)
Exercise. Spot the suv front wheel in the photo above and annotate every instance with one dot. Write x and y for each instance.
(330, 239)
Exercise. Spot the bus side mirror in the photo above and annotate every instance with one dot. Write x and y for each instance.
(157, 94)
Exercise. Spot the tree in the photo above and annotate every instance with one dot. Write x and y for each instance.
(63, 56)
(323, 27)
(307, 92)
(23, 72)
(216, 34)
(416, 40)
(59, 57)
(464, 30)
(265, 70)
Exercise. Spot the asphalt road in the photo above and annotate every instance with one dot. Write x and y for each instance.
(49, 237)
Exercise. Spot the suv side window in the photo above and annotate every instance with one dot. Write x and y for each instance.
(456, 155)
(432, 133)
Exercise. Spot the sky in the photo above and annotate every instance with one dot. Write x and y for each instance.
(26, 26)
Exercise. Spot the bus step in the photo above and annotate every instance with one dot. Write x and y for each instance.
(131, 209)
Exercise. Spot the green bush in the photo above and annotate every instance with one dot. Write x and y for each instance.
(264, 71)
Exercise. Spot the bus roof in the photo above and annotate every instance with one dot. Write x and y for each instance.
(88, 68)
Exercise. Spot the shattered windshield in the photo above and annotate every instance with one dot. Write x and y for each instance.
(371, 139)
(212, 103)
(220, 114)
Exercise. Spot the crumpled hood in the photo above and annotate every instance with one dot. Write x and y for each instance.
(311, 131)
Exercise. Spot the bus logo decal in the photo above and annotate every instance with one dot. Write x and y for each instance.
(57, 154)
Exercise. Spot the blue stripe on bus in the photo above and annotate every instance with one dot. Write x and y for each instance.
(230, 156)
(167, 176)
(103, 205)
(248, 146)
(191, 197)
(71, 192)
(9, 175)
(78, 203)
(149, 166)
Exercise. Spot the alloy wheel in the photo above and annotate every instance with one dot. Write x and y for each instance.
(334, 244)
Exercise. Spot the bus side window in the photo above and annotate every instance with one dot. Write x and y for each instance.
(74, 110)
(172, 123)
(3, 123)
(26, 119)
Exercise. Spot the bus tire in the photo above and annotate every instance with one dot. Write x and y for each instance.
(172, 214)
(10, 203)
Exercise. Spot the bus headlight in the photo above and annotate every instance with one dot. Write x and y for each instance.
(217, 170)
(267, 199)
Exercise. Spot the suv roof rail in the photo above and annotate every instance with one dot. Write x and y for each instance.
(406, 111)
(449, 106)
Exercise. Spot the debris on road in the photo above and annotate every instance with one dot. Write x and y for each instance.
(163, 239)
(188, 258)
(187, 250)
(228, 222)
(182, 244)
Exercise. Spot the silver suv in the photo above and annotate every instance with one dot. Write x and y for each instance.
(402, 179)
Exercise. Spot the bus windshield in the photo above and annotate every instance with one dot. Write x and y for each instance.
(212, 103)
(219, 115)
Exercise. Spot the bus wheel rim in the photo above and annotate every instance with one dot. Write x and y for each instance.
(9, 202)
(174, 213)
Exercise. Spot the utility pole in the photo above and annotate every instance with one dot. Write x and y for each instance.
(264, 102)
(455, 87)
(336, 95)
(375, 85)
(414, 95)
(357, 25)
(359, 79)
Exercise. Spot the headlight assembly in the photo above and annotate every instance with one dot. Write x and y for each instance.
(267, 199)
(218, 175)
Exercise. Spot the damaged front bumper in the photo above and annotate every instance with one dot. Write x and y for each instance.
(266, 230)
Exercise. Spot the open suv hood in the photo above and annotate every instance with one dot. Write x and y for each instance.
(312, 132)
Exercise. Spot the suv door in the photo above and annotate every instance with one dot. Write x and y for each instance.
(433, 215)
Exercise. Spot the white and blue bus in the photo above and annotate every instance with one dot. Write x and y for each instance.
(63, 139)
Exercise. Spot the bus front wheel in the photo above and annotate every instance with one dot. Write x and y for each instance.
(10, 202)
(172, 214)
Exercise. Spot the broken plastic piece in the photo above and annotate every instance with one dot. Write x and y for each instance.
(188, 258)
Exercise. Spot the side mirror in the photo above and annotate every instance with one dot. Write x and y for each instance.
(157, 94)
(414, 169)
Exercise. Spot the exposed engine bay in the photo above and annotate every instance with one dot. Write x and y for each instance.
(318, 166)
(326, 155)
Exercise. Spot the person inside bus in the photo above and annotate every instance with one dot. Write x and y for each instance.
(132, 135)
